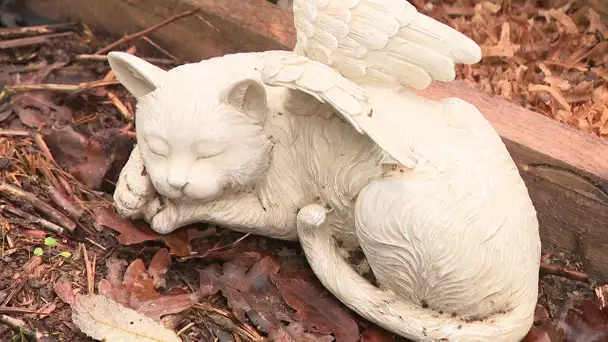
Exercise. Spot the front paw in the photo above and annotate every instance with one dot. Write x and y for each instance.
(163, 218)
(133, 193)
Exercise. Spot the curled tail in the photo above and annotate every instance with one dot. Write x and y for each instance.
(387, 309)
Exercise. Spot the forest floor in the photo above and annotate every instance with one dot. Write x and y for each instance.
(66, 131)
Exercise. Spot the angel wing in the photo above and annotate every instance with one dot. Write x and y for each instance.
(380, 41)
(293, 71)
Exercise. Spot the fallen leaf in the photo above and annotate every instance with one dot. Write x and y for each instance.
(104, 319)
(585, 323)
(138, 289)
(537, 334)
(317, 309)
(30, 117)
(65, 292)
(159, 266)
(295, 332)
(250, 294)
(86, 160)
(376, 334)
(134, 233)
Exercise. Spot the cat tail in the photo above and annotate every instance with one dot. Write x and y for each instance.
(389, 310)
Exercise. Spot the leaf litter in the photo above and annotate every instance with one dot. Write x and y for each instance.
(66, 130)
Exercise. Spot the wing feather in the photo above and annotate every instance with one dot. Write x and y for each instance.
(381, 41)
(324, 83)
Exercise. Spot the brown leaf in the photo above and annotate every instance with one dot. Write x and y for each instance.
(138, 292)
(377, 334)
(295, 332)
(30, 117)
(65, 292)
(134, 233)
(250, 294)
(537, 334)
(85, 160)
(159, 266)
(317, 309)
(5, 111)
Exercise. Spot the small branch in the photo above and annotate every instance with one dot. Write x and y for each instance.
(151, 29)
(66, 88)
(10, 310)
(64, 203)
(159, 48)
(43, 147)
(50, 226)
(103, 58)
(90, 270)
(20, 327)
(54, 215)
(19, 42)
(533, 88)
(122, 109)
(563, 272)
(37, 30)
(13, 133)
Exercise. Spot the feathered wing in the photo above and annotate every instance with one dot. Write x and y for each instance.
(290, 70)
(380, 41)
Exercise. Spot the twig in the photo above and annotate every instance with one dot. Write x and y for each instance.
(215, 249)
(14, 133)
(122, 109)
(159, 48)
(43, 147)
(64, 203)
(553, 92)
(184, 329)
(50, 226)
(19, 42)
(103, 58)
(244, 330)
(66, 88)
(20, 326)
(54, 215)
(151, 29)
(96, 244)
(40, 29)
(9, 310)
(563, 272)
(90, 270)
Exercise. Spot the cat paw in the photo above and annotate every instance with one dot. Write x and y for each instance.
(134, 191)
(162, 217)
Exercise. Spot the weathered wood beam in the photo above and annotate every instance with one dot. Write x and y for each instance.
(565, 170)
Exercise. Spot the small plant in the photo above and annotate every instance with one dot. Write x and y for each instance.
(51, 243)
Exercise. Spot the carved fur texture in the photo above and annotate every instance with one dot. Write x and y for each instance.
(241, 142)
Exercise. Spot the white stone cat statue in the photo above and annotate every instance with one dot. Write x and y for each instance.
(326, 147)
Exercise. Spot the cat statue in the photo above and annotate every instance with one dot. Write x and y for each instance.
(326, 145)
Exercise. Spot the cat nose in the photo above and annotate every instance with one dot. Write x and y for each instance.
(177, 180)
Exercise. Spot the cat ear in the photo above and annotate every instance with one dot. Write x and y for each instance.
(134, 73)
(249, 97)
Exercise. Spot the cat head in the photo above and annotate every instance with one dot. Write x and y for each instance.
(199, 126)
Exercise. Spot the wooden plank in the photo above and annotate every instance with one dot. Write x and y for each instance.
(221, 27)
(565, 170)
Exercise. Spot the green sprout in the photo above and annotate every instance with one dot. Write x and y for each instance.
(50, 242)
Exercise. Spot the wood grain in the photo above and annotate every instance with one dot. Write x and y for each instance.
(566, 170)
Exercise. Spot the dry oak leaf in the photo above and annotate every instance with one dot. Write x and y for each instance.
(250, 294)
(317, 309)
(104, 319)
(138, 288)
(134, 233)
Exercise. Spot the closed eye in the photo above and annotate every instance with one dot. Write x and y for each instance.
(158, 146)
(206, 149)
